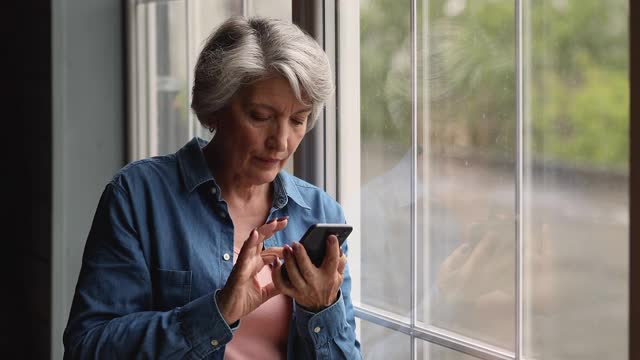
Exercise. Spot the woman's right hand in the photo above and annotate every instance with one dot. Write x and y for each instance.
(242, 293)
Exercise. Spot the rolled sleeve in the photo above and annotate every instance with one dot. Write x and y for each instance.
(324, 326)
(204, 327)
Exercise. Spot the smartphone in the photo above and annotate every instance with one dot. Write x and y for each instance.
(314, 241)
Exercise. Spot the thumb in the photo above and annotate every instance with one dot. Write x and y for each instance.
(269, 291)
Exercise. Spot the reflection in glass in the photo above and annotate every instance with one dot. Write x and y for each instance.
(385, 156)
(576, 219)
(466, 168)
(380, 343)
(430, 351)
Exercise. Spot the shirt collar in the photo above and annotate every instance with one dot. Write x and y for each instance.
(285, 187)
(193, 166)
(195, 172)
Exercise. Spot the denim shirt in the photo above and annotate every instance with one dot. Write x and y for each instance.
(161, 245)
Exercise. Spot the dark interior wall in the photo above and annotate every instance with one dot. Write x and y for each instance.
(26, 258)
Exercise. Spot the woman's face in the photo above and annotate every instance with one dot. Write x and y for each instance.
(260, 129)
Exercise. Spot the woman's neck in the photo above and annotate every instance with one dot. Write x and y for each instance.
(236, 190)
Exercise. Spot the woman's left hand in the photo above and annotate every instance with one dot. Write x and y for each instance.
(313, 288)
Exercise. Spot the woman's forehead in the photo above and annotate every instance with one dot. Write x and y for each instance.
(274, 94)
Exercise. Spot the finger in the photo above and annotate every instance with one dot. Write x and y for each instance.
(279, 281)
(295, 277)
(330, 262)
(267, 230)
(281, 224)
(305, 266)
(277, 251)
(268, 259)
(483, 252)
(342, 264)
(269, 291)
(248, 248)
(457, 258)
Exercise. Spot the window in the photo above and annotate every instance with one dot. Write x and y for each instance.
(165, 38)
(482, 156)
(493, 178)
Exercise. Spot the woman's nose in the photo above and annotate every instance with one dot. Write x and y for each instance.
(277, 139)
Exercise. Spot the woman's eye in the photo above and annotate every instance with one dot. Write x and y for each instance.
(260, 117)
(299, 121)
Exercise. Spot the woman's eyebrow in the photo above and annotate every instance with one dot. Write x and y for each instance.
(254, 104)
(307, 109)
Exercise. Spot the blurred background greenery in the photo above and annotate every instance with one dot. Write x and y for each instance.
(576, 88)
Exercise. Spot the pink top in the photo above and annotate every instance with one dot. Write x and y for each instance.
(263, 333)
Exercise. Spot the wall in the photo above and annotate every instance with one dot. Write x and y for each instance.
(88, 138)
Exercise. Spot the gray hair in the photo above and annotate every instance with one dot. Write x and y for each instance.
(245, 50)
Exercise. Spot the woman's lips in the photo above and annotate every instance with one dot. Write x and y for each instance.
(268, 161)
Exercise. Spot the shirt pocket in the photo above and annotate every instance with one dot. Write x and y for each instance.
(171, 289)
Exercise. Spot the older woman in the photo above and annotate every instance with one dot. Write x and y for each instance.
(182, 260)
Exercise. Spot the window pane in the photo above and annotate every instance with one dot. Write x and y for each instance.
(165, 52)
(466, 168)
(385, 155)
(207, 15)
(279, 9)
(428, 351)
(380, 343)
(577, 230)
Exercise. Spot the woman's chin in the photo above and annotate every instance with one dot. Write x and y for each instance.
(265, 176)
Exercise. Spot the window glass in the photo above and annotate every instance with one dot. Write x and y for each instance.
(279, 9)
(429, 351)
(162, 91)
(380, 343)
(168, 37)
(466, 168)
(574, 191)
(206, 15)
(576, 198)
(386, 196)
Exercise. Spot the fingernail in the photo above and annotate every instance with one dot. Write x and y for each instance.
(341, 253)
(272, 220)
(283, 218)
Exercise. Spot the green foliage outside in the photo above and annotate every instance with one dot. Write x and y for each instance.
(576, 71)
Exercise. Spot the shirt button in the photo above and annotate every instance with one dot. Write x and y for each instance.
(213, 191)
(226, 256)
(223, 215)
(214, 342)
(316, 329)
